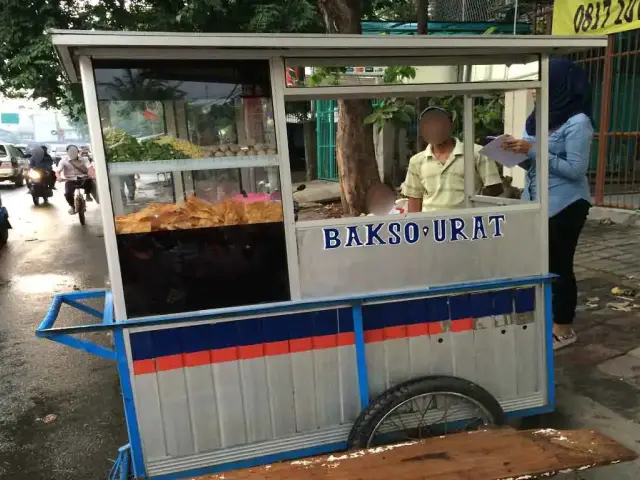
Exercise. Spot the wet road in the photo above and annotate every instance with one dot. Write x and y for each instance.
(49, 252)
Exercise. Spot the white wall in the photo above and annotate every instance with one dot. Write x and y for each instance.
(435, 74)
(525, 71)
(518, 104)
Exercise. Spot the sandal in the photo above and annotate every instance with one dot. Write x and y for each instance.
(564, 340)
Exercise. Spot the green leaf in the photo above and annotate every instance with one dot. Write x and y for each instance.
(403, 117)
(372, 118)
(410, 109)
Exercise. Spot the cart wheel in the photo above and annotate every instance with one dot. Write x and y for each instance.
(425, 407)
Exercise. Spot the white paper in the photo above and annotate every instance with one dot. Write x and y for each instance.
(494, 151)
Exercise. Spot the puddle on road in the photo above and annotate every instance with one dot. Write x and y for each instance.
(42, 283)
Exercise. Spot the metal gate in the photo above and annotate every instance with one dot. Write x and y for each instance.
(326, 127)
(615, 79)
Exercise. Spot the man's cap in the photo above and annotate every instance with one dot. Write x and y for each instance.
(435, 109)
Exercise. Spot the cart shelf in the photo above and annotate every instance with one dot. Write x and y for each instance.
(210, 163)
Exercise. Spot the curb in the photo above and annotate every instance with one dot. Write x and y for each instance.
(615, 215)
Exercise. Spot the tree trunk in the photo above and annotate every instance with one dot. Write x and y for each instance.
(310, 150)
(422, 8)
(354, 140)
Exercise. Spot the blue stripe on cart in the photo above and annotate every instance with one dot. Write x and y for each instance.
(180, 347)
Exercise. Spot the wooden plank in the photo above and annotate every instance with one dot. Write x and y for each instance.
(488, 455)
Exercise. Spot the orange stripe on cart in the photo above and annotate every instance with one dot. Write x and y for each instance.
(197, 359)
(276, 348)
(435, 328)
(170, 362)
(417, 330)
(394, 333)
(373, 336)
(324, 341)
(221, 355)
(346, 339)
(249, 352)
(141, 367)
(462, 325)
(300, 345)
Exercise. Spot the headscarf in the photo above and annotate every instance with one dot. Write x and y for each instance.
(37, 155)
(569, 94)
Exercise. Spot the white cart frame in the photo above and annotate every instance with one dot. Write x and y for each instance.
(316, 281)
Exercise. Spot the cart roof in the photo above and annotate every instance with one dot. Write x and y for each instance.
(70, 44)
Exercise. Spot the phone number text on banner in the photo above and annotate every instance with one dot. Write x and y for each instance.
(595, 17)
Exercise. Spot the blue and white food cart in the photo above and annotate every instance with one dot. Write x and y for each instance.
(243, 337)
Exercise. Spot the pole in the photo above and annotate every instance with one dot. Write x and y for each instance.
(469, 151)
(603, 139)
(423, 27)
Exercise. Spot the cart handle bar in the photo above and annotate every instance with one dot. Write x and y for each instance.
(74, 299)
(108, 322)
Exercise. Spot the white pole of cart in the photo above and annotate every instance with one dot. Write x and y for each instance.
(469, 152)
(542, 159)
(102, 180)
(278, 85)
(543, 303)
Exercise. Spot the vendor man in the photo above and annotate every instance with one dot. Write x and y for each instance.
(435, 179)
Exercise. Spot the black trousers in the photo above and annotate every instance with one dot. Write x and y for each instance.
(564, 231)
(70, 188)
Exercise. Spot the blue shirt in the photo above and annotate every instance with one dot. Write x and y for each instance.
(569, 154)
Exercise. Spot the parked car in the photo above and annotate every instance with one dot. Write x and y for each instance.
(13, 164)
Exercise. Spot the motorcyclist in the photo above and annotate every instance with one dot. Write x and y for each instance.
(46, 154)
(85, 152)
(70, 169)
(41, 161)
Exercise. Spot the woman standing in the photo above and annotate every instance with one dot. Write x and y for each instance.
(570, 135)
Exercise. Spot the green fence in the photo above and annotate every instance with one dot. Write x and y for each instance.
(326, 127)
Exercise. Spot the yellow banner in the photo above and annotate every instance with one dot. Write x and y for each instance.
(595, 17)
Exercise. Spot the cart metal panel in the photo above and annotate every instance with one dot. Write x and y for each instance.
(226, 384)
(374, 254)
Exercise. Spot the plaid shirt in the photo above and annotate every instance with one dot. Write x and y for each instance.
(441, 185)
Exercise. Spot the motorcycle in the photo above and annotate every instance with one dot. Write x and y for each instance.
(39, 186)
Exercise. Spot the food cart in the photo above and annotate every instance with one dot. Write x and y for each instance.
(243, 337)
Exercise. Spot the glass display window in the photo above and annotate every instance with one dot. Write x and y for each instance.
(195, 185)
